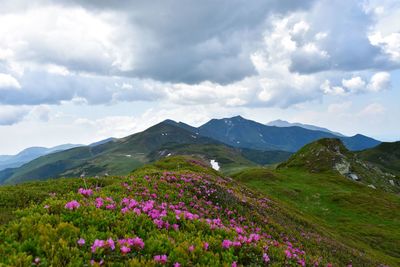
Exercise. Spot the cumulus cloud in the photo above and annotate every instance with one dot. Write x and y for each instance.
(356, 85)
(379, 81)
(263, 53)
(8, 82)
(10, 115)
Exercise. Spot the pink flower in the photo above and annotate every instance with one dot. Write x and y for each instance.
(175, 227)
(226, 243)
(301, 262)
(97, 244)
(81, 242)
(177, 264)
(111, 206)
(125, 249)
(72, 205)
(99, 202)
(111, 243)
(191, 248)
(234, 264)
(85, 192)
(288, 254)
(138, 242)
(266, 258)
(161, 259)
(36, 261)
(205, 246)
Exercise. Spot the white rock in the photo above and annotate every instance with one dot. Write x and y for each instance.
(391, 182)
(214, 164)
(372, 186)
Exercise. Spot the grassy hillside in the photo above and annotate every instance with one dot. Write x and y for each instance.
(176, 212)
(364, 219)
(326, 155)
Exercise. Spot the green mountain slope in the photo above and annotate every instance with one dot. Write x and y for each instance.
(174, 211)
(364, 219)
(330, 155)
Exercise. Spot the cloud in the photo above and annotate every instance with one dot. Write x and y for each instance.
(356, 85)
(10, 115)
(8, 82)
(260, 54)
(379, 81)
(373, 109)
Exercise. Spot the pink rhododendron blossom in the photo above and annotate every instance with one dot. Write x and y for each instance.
(85, 192)
(72, 205)
(111, 243)
(266, 258)
(234, 264)
(97, 244)
(81, 242)
(162, 259)
(226, 243)
(125, 249)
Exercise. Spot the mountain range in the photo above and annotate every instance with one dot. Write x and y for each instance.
(28, 154)
(233, 142)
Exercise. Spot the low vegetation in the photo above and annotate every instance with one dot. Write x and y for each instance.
(176, 212)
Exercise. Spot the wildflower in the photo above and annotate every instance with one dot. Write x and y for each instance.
(111, 243)
(81, 242)
(301, 262)
(36, 261)
(85, 192)
(125, 249)
(138, 242)
(161, 259)
(99, 202)
(205, 246)
(191, 248)
(226, 243)
(234, 264)
(97, 244)
(72, 205)
(266, 258)
(177, 264)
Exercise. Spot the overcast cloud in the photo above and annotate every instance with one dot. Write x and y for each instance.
(229, 54)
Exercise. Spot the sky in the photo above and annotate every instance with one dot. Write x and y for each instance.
(81, 71)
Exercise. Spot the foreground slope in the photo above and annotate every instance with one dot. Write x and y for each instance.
(176, 212)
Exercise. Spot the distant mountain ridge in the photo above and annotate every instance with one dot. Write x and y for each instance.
(282, 123)
(240, 132)
(29, 154)
(233, 141)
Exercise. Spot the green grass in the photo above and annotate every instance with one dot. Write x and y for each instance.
(363, 218)
(33, 231)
